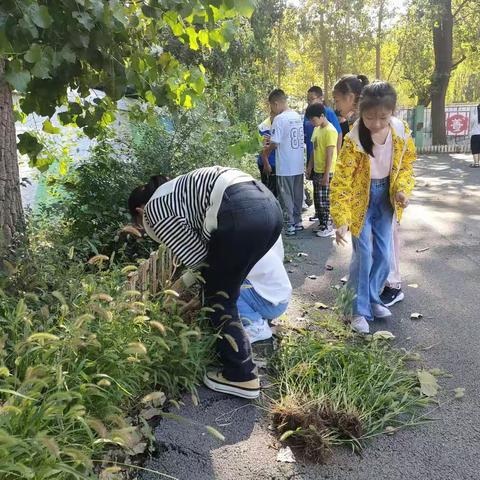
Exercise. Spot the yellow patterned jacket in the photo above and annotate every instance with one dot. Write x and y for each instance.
(350, 187)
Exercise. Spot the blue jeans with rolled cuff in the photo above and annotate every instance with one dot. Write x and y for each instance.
(370, 264)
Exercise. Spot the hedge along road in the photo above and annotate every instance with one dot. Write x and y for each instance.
(443, 224)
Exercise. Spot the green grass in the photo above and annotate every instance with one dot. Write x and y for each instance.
(334, 388)
(78, 353)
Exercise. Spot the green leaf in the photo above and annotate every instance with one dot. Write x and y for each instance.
(428, 383)
(29, 145)
(49, 128)
(244, 7)
(40, 16)
(18, 79)
(34, 53)
(42, 68)
(68, 54)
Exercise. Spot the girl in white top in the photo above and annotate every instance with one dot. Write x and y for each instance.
(265, 294)
(475, 140)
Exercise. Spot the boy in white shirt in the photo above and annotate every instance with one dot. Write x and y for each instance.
(287, 140)
(265, 294)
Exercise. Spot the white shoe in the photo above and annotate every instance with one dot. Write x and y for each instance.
(360, 324)
(258, 331)
(379, 311)
(299, 227)
(325, 232)
(290, 231)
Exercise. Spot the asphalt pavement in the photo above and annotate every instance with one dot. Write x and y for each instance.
(441, 260)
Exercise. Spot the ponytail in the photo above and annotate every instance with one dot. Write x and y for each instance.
(351, 84)
(142, 194)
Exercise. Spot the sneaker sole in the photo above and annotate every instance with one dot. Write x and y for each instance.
(397, 299)
(325, 236)
(261, 338)
(230, 389)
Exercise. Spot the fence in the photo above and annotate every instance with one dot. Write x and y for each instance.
(155, 274)
(459, 121)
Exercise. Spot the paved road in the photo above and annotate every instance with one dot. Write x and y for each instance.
(444, 217)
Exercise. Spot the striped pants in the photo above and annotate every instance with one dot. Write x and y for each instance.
(321, 199)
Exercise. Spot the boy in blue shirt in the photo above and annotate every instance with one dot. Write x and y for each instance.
(315, 95)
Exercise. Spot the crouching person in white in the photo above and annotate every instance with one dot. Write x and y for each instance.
(265, 294)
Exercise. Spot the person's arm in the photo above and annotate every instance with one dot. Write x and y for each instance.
(328, 165)
(308, 130)
(333, 119)
(406, 176)
(265, 154)
(177, 235)
(341, 190)
(339, 141)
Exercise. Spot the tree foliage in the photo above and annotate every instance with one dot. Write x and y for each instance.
(119, 47)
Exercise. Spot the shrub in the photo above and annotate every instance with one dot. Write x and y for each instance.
(78, 352)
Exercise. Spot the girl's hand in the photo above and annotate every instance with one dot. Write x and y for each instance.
(402, 199)
(340, 235)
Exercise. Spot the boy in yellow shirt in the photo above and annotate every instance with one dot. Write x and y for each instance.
(321, 167)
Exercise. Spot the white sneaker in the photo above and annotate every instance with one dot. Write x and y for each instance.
(258, 331)
(299, 227)
(291, 230)
(325, 232)
(360, 324)
(379, 311)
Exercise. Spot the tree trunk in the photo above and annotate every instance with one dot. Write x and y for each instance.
(443, 48)
(11, 212)
(378, 43)
(279, 55)
(325, 57)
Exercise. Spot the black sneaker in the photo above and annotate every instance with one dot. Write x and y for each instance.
(314, 218)
(390, 296)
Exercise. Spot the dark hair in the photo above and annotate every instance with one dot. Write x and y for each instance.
(316, 90)
(351, 84)
(277, 95)
(315, 110)
(377, 94)
(142, 194)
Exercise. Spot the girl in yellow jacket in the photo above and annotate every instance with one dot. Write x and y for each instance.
(373, 181)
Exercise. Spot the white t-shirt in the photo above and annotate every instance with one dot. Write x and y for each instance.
(269, 277)
(381, 162)
(475, 129)
(287, 134)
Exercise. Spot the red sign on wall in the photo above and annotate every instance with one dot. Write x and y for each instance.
(458, 123)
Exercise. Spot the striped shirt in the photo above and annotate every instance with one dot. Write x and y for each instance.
(182, 213)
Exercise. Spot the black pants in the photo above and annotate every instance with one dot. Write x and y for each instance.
(269, 180)
(249, 223)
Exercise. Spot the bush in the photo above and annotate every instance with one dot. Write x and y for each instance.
(78, 352)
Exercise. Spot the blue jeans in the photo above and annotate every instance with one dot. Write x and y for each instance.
(252, 308)
(370, 264)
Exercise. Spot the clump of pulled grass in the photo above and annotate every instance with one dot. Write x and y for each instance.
(334, 388)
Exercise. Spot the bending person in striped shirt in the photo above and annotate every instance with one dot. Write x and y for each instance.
(221, 221)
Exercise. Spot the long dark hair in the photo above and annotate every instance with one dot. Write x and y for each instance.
(142, 194)
(351, 84)
(377, 94)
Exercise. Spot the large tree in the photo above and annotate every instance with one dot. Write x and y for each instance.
(48, 47)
